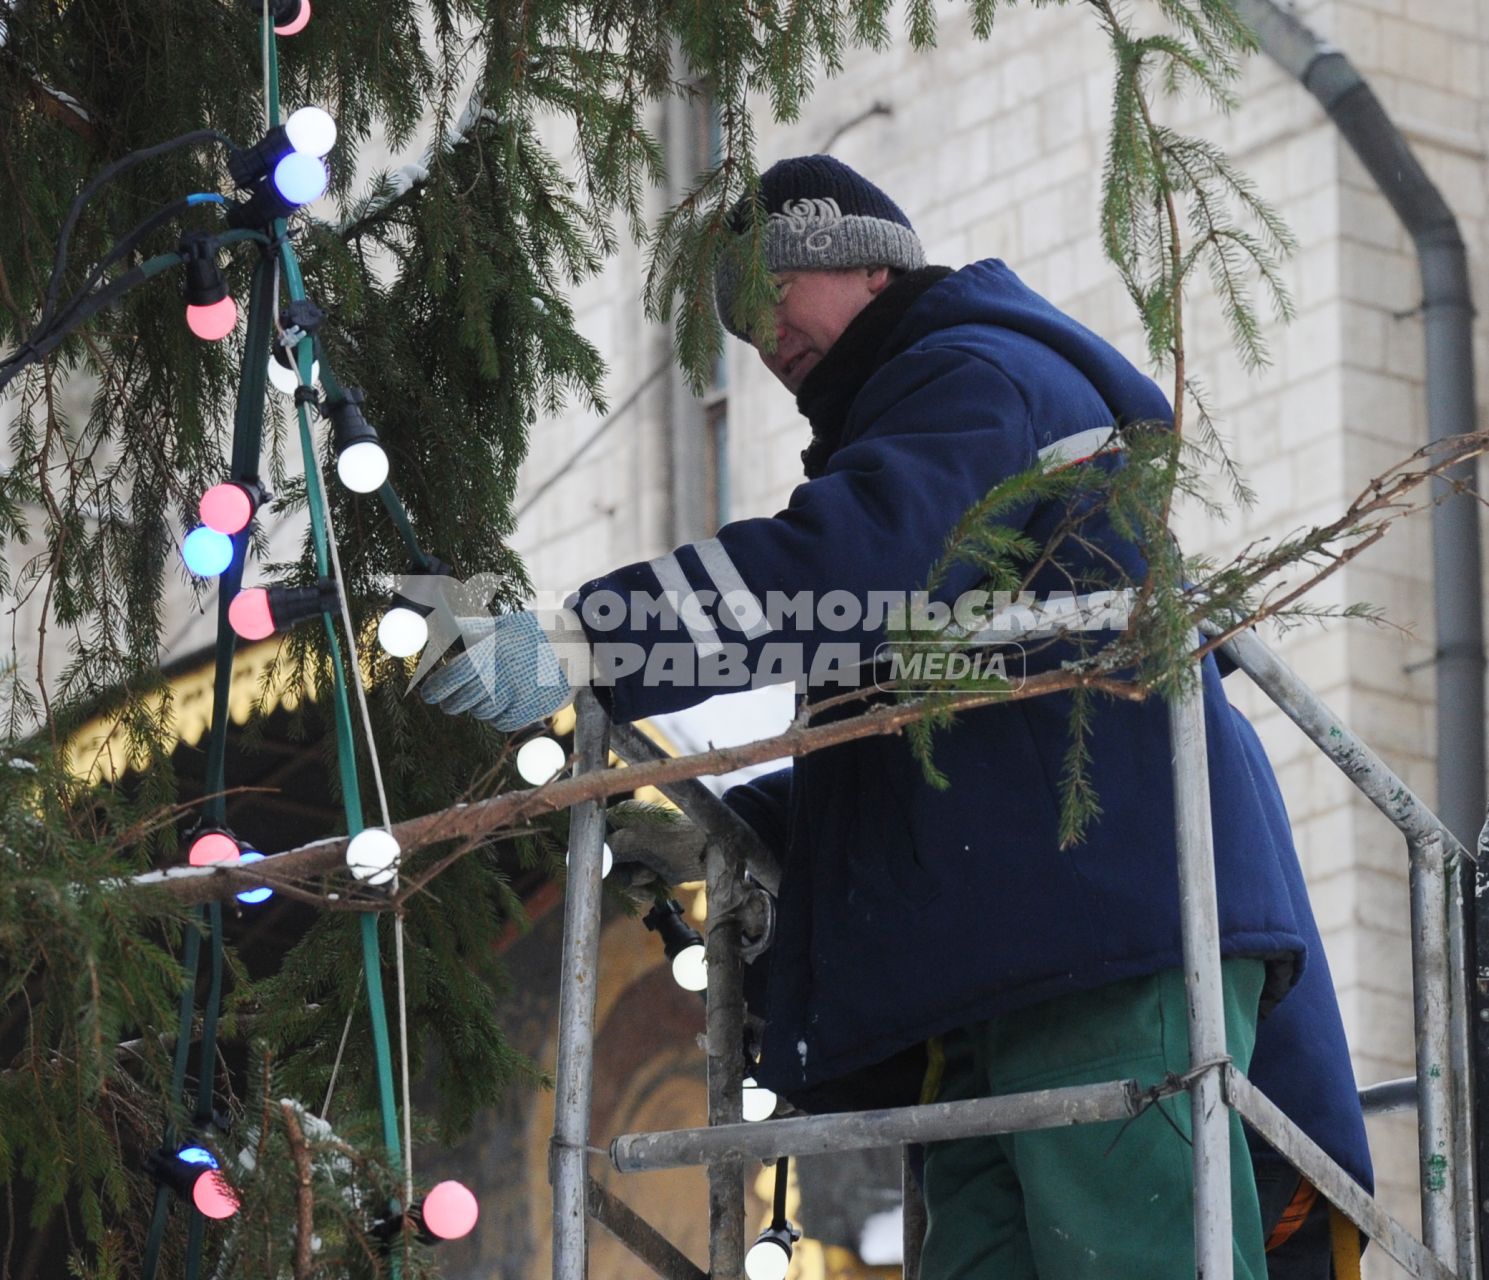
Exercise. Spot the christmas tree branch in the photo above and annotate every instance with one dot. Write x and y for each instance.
(1220, 593)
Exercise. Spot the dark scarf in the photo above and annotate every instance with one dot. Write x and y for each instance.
(828, 391)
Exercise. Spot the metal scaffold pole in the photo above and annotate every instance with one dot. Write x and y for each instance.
(723, 849)
(569, 1150)
(912, 1216)
(725, 883)
(1429, 955)
(1200, 926)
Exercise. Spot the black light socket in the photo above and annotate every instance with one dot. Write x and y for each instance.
(665, 920)
(283, 12)
(386, 1230)
(431, 567)
(348, 426)
(256, 162)
(204, 281)
(261, 208)
(290, 606)
(298, 321)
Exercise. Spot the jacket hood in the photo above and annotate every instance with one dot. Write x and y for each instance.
(989, 293)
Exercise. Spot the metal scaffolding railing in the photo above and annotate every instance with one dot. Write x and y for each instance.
(1442, 1090)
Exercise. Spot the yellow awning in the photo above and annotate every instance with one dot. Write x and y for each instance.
(100, 751)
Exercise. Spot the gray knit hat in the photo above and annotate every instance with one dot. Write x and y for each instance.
(821, 215)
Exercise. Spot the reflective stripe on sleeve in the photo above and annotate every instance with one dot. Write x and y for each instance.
(727, 579)
(674, 583)
(1077, 448)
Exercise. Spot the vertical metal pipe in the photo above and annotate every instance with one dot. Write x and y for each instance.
(914, 1215)
(1447, 312)
(723, 868)
(1429, 955)
(1457, 588)
(573, 1073)
(1460, 877)
(1199, 919)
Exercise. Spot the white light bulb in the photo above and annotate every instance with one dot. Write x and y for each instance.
(607, 859)
(311, 131)
(402, 632)
(767, 1260)
(538, 759)
(372, 855)
(759, 1103)
(362, 466)
(689, 969)
(287, 381)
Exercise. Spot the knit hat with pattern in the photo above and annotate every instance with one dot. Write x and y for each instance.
(820, 215)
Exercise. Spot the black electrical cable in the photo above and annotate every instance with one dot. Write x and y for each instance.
(43, 344)
(105, 175)
(126, 245)
(84, 305)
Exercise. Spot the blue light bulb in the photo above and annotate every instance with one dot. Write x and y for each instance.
(197, 1155)
(252, 896)
(300, 178)
(207, 552)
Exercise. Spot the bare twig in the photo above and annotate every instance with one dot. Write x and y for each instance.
(485, 817)
(304, 1194)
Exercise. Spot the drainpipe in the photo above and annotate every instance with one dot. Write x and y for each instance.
(1447, 307)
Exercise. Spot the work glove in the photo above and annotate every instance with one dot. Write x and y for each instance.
(508, 673)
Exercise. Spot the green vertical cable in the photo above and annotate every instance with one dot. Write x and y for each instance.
(178, 1084)
(372, 964)
(271, 90)
(157, 1231)
(206, 1073)
(196, 1235)
(248, 420)
(390, 499)
(346, 759)
(248, 416)
(248, 428)
(347, 764)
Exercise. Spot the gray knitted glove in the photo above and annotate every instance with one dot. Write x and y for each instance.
(508, 673)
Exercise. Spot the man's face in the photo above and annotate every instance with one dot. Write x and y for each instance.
(812, 310)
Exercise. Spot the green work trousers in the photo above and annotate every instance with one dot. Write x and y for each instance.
(1108, 1201)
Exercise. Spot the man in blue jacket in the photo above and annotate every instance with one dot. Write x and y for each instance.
(912, 915)
(1301, 1060)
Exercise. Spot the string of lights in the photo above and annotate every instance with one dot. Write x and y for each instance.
(277, 176)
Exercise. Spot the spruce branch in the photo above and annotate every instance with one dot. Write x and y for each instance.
(1222, 593)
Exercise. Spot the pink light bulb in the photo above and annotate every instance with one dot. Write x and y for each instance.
(210, 847)
(214, 321)
(248, 614)
(296, 24)
(449, 1211)
(213, 1197)
(226, 508)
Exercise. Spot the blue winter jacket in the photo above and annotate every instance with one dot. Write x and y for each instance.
(906, 910)
(1301, 1061)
